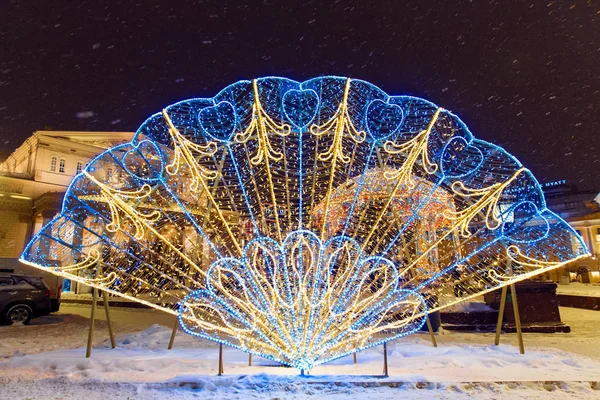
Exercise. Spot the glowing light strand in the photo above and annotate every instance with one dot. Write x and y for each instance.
(227, 234)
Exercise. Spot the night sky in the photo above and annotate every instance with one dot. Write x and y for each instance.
(522, 74)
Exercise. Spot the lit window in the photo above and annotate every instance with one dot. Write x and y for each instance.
(79, 167)
(53, 164)
(61, 165)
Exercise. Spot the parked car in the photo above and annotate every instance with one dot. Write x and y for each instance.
(55, 282)
(22, 297)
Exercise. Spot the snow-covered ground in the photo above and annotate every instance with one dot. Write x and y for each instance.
(580, 289)
(469, 306)
(46, 360)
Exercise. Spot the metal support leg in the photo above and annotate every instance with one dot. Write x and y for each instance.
(430, 329)
(220, 359)
(88, 351)
(513, 293)
(385, 363)
(249, 360)
(354, 358)
(500, 315)
(173, 332)
(113, 343)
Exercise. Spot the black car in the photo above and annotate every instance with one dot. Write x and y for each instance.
(22, 297)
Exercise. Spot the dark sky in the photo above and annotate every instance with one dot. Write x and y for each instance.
(522, 74)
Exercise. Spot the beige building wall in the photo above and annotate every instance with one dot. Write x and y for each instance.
(32, 184)
(13, 233)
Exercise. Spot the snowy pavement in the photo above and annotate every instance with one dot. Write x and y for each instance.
(579, 289)
(46, 360)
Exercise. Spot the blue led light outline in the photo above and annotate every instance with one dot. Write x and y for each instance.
(227, 92)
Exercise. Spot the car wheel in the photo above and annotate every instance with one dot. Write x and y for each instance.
(19, 313)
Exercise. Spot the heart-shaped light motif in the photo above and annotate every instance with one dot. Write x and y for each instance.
(218, 121)
(300, 106)
(383, 119)
(460, 158)
(145, 161)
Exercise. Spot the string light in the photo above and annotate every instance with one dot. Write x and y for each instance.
(303, 221)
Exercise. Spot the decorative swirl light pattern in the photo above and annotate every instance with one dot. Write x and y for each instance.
(302, 303)
(303, 221)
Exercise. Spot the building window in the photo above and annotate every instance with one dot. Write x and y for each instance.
(61, 166)
(53, 164)
(109, 173)
(79, 167)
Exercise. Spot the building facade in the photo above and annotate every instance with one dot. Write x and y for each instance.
(34, 177)
(581, 209)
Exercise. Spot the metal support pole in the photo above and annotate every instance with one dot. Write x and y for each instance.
(500, 315)
(385, 363)
(513, 293)
(250, 359)
(113, 343)
(173, 332)
(220, 359)
(354, 358)
(430, 329)
(88, 351)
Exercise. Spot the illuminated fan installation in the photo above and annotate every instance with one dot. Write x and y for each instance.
(303, 221)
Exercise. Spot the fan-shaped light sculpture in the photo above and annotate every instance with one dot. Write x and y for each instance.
(303, 221)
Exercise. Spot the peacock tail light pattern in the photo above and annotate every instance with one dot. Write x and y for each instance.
(303, 221)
